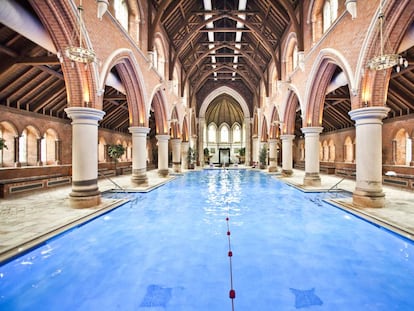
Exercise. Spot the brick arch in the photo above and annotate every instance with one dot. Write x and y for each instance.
(133, 82)
(184, 132)
(274, 131)
(255, 129)
(60, 19)
(321, 75)
(374, 84)
(158, 103)
(290, 113)
(174, 126)
(264, 135)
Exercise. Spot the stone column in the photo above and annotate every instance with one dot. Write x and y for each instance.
(176, 154)
(272, 155)
(247, 136)
(255, 150)
(163, 155)
(85, 192)
(17, 151)
(39, 152)
(139, 155)
(201, 140)
(312, 177)
(58, 151)
(368, 122)
(287, 159)
(184, 151)
(412, 151)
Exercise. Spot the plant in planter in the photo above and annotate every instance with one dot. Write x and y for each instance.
(191, 156)
(115, 152)
(206, 155)
(242, 154)
(263, 157)
(3, 144)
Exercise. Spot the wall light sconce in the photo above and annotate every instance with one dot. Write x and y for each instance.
(102, 8)
(351, 7)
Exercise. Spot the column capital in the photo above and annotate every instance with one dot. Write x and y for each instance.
(176, 140)
(139, 130)
(312, 130)
(272, 140)
(369, 115)
(84, 115)
(162, 137)
(287, 137)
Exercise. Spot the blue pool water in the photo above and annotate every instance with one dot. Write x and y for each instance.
(168, 250)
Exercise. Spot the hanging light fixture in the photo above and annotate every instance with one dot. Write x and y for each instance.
(384, 60)
(80, 54)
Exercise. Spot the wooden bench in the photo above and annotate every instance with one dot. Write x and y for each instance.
(327, 169)
(346, 172)
(12, 186)
(399, 180)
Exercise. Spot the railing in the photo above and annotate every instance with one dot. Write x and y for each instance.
(113, 182)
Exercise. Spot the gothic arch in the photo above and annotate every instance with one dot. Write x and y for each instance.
(374, 84)
(133, 82)
(290, 113)
(158, 103)
(224, 90)
(321, 75)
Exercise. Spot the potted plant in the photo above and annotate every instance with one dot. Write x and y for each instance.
(263, 157)
(206, 155)
(3, 144)
(191, 156)
(242, 154)
(115, 152)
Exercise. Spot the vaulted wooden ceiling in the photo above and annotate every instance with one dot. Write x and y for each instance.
(31, 78)
(224, 40)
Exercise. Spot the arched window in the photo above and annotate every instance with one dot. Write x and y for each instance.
(211, 133)
(349, 150)
(402, 145)
(236, 134)
(224, 134)
(295, 57)
(331, 149)
(23, 148)
(121, 12)
(330, 13)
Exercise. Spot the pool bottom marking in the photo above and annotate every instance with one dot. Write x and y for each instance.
(305, 298)
(156, 296)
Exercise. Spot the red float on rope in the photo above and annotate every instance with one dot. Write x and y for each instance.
(232, 294)
(230, 253)
(228, 232)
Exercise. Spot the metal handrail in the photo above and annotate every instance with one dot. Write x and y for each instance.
(116, 185)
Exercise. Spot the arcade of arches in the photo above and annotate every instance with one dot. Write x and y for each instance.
(210, 82)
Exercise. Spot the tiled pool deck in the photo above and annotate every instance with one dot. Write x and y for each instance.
(29, 220)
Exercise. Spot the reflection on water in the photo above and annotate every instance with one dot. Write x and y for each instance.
(223, 196)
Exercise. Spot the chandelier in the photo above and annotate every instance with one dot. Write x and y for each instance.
(80, 54)
(385, 61)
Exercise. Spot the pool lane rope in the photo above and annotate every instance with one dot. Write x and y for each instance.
(232, 292)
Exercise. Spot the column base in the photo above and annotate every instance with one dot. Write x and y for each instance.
(139, 177)
(163, 172)
(177, 167)
(361, 198)
(84, 199)
(287, 173)
(312, 179)
(273, 169)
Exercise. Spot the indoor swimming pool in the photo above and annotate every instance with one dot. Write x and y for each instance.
(184, 246)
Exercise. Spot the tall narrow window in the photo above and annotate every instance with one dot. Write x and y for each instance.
(236, 134)
(121, 12)
(224, 134)
(330, 13)
(211, 133)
